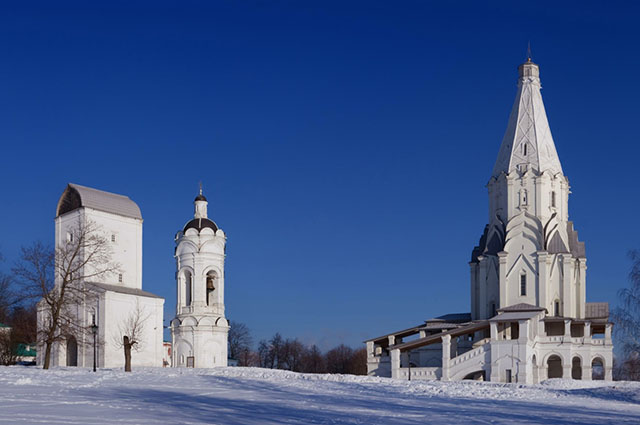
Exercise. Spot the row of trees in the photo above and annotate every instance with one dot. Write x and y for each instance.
(291, 354)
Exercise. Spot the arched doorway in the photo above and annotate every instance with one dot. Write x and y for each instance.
(597, 369)
(534, 366)
(576, 368)
(554, 367)
(72, 351)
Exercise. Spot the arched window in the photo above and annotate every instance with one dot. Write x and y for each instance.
(187, 288)
(597, 369)
(212, 284)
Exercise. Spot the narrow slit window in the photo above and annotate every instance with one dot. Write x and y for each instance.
(120, 277)
(113, 238)
(523, 284)
(553, 199)
(524, 149)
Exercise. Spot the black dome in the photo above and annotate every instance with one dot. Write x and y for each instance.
(199, 224)
(200, 198)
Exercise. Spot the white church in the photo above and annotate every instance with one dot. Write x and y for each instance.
(529, 318)
(114, 296)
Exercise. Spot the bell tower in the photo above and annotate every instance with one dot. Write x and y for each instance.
(199, 330)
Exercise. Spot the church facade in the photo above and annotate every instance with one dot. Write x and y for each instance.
(199, 331)
(108, 300)
(529, 319)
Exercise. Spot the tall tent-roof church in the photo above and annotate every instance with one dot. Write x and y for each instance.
(529, 319)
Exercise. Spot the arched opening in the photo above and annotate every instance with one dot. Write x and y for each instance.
(72, 351)
(187, 287)
(212, 284)
(478, 375)
(597, 369)
(534, 366)
(576, 368)
(554, 367)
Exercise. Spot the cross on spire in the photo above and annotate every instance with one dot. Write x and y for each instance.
(200, 183)
(529, 51)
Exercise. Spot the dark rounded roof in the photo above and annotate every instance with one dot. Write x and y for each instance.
(199, 224)
(200, 198)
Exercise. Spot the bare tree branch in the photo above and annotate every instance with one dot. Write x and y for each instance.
(130, 334)
(59, 278)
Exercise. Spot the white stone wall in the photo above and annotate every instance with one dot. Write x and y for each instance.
(126, 249)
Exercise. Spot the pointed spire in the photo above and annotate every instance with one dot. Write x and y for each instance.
(527, 142)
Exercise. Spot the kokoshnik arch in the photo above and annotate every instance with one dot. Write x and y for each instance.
(529, 317)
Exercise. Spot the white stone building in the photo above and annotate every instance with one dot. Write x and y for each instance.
(199, 330)
(529, 317)
(116, 296)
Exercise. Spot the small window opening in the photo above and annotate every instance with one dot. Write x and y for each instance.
(523, 197)
(493, 309)
(553, 199)
(523, 284)
(69, 237)
(524, 149)
(120, 278)
(509, 377)
(556, 308)
(113, 238)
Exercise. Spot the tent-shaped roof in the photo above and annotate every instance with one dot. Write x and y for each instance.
(528, 140)
(76, 196)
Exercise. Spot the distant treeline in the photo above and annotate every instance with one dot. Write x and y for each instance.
(291, 354)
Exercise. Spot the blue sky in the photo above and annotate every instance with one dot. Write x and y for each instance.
(344, 146)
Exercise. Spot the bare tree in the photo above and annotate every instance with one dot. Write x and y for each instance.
(240, 342)
(8, 347)
(8, 296)
(60, 277)
(293, 354)
(130, 334)
(627, 315)
(313, 361)
(339, 359)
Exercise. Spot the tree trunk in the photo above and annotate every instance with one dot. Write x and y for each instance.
(127, 354)
(47, 356)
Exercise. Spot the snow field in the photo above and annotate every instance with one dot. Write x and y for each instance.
(263, 396)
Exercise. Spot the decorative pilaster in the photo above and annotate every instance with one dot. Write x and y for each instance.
(543, 277)
(395, 363)
(502, 273)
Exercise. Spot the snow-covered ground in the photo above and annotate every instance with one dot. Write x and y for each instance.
(260, 396)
